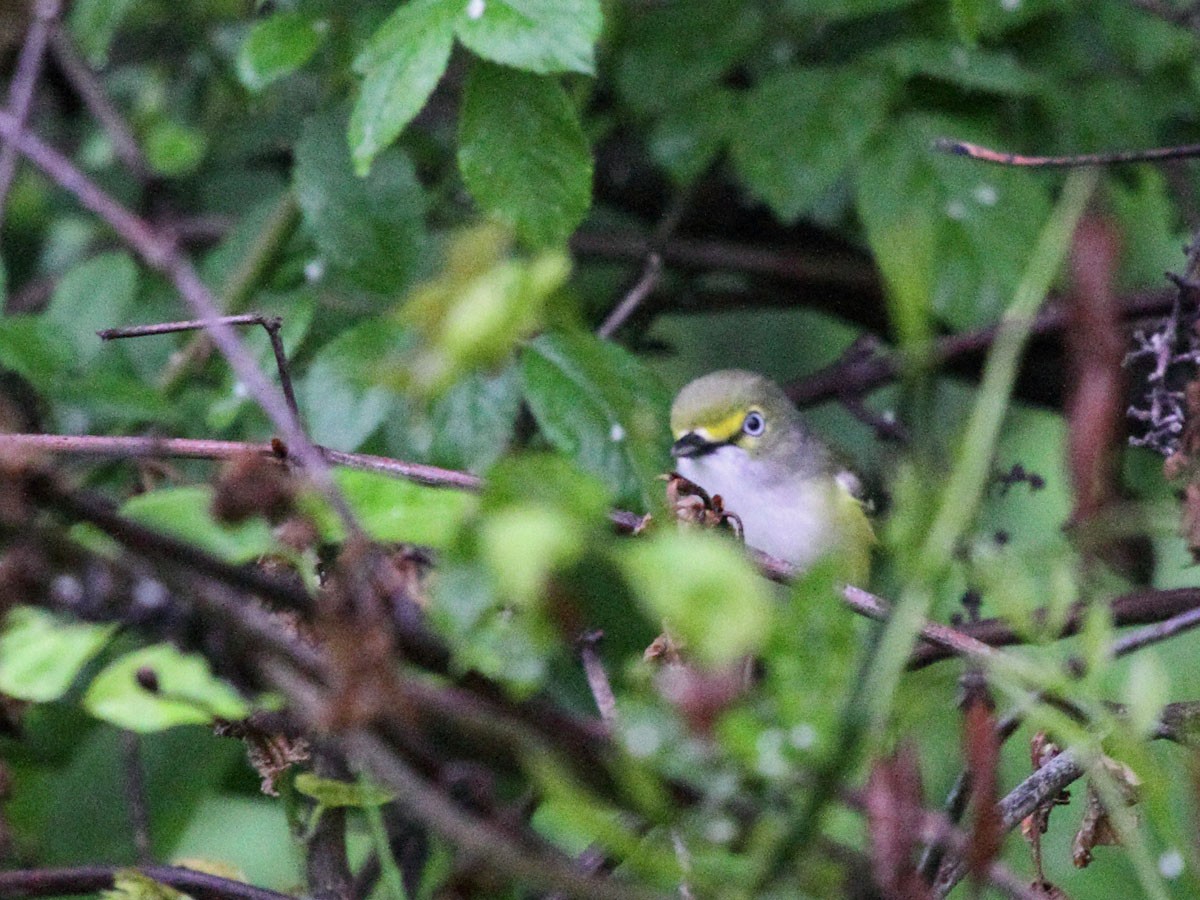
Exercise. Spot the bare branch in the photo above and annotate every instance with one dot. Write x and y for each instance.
(643, 288)
(87, 86)
(983, 154)
(30, 883)
(270, 324)
(162, 254)
(597, 678)
(24, 84)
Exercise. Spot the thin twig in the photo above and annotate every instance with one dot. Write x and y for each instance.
(24, 84)
(135, 797)
(951, 640)
(162, 255)
(87, 86)
(860, 375)
(1142, 607)
(239, 287)
(643, 288)
(270, 324)
(597, 678)
(1153, 634)
(984, 154)
(120, 447)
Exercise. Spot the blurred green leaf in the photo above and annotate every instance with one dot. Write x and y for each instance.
(601, 407)
(96, 294)
(331, 793)
(468, 427)
(278, 46)
(371, 228)
(400, 67)
(41, 653)
(674, 50)
(797, 134)
(472, 315)
(186, 692)
(36, 349)
(340, 397)
(175, 149)
(130, 884)
(93, 24)
(394, 510)
(536, 35)
(184, 513)
(969, 67)
(542, 188)
(689, 136)
(951, 238)
(705, 589)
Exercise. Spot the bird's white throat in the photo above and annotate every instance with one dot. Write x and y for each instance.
(792, 518)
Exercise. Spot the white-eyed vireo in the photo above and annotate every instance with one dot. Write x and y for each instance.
(737, 435)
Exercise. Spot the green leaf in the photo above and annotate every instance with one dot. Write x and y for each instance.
(341, 401)
(596, 403)
(705, 589)
(186, 694)
(174, 149)
(41, 654)
(951, 237)
(372, 229)
(400, 67)
(674, 52)
(278, 46)
(536, 35)
(184, 513)
(394, 510)
(329, 792)
(689, 136)
(968, 67)
(542, 187)
(93, 24)
(93, 295)
(798, 134)
(36, 349)
(468, 427)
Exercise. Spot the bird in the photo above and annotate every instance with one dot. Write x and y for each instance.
(739, 437)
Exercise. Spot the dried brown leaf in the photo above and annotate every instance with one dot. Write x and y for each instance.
(1096, 829)
(893, 799)
(981, 747)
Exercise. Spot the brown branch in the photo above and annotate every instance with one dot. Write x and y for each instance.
(597, 678)
(984, 154)
(951, 641)
(643, 288)
(30, 883)
(1153, 634)
(270, 324)
(87, 86)
(163, 256)
(24, 84)
(1021, 801)
(860, 375)
(188, 448)
(1141, 607)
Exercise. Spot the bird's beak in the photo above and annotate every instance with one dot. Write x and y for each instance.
(692, 444)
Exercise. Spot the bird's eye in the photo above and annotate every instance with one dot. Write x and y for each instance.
(754, 424)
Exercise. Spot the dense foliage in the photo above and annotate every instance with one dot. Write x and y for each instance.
(497, 235)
